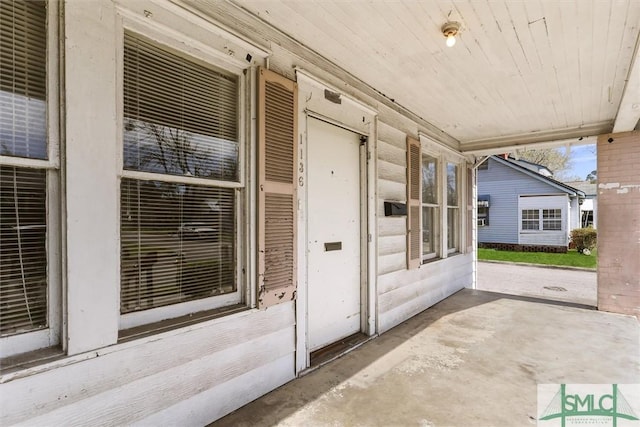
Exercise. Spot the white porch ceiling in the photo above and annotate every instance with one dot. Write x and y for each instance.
(521, 71)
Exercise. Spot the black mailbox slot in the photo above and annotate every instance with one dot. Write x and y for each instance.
(395, 209)
(332, 246)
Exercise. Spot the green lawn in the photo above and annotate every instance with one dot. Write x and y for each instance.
(571, 258)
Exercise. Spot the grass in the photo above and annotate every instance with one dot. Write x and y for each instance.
(571, 258)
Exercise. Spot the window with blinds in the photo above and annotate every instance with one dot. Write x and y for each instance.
(453, 207)
(178, 238)
(430, 207)
(180, 117)
(23, 189)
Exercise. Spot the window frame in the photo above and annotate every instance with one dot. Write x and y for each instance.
(540, 220)
(241, 189)
(444, 155)
(437, 206)
(484, 216)
(50, 336)
(555, 219)
(457, 225)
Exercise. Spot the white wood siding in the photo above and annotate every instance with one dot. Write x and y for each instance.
(403, 293)
(129, 382)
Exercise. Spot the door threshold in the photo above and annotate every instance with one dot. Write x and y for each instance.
(335, 350)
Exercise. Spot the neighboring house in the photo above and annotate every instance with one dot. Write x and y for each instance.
(589, 206)
(522, 209)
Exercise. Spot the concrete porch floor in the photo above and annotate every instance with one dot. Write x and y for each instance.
(474, 359)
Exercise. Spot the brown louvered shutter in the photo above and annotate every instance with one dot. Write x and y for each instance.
(277, 130)
(413, 203)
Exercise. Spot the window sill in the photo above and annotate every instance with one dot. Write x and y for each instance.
(431, 260)
(30, 359)
(130, 334)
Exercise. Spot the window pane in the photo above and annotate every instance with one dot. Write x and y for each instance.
(483, 216)
(429, 227)
(552, 219)
(23, 79)
(452, 184)
(180, 118)
(23, 255)
(452, 228)
(429, 180)
(177, 243)
(530, 219)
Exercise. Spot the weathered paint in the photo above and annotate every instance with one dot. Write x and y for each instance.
(619, 223)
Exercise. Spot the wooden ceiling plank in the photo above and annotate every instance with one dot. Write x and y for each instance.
(585, 58)
(571, 54)
(627, 56)
(480, 24)
(557, 41)
(628, 115)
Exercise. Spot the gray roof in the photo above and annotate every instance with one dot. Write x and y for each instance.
(585, 186)
(560, 185)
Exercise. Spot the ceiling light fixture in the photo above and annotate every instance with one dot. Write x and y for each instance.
(450, 30)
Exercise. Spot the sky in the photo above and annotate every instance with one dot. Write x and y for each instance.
(583, 160)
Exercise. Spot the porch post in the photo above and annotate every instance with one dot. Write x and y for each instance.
(619, 223)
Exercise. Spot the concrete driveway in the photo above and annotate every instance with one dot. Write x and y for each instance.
(558, 284)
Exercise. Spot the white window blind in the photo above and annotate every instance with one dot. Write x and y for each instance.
(23, 258)
(23, 190)
(180, 117)
(178, 240)
(177, 243)
(453, 203)
(430, 207)
(23, 79)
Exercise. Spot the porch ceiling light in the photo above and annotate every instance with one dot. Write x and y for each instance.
(450, 30)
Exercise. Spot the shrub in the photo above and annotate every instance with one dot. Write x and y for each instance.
(584, 239)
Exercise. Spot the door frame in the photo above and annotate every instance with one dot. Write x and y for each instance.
(353, 116)
(362, 218)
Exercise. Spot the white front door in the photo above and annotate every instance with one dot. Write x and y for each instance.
(334, 223)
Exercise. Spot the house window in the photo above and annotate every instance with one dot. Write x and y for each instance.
(552, 219)
(541, 219)
(181, 185)
(28, 182)
(430, 207)
(483, 211)
(453, 208)
(530, 219)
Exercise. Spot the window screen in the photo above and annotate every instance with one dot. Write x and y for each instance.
(23, 213)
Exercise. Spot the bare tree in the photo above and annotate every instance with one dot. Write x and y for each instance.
(554, 159)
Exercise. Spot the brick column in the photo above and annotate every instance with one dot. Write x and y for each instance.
(619, 223)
